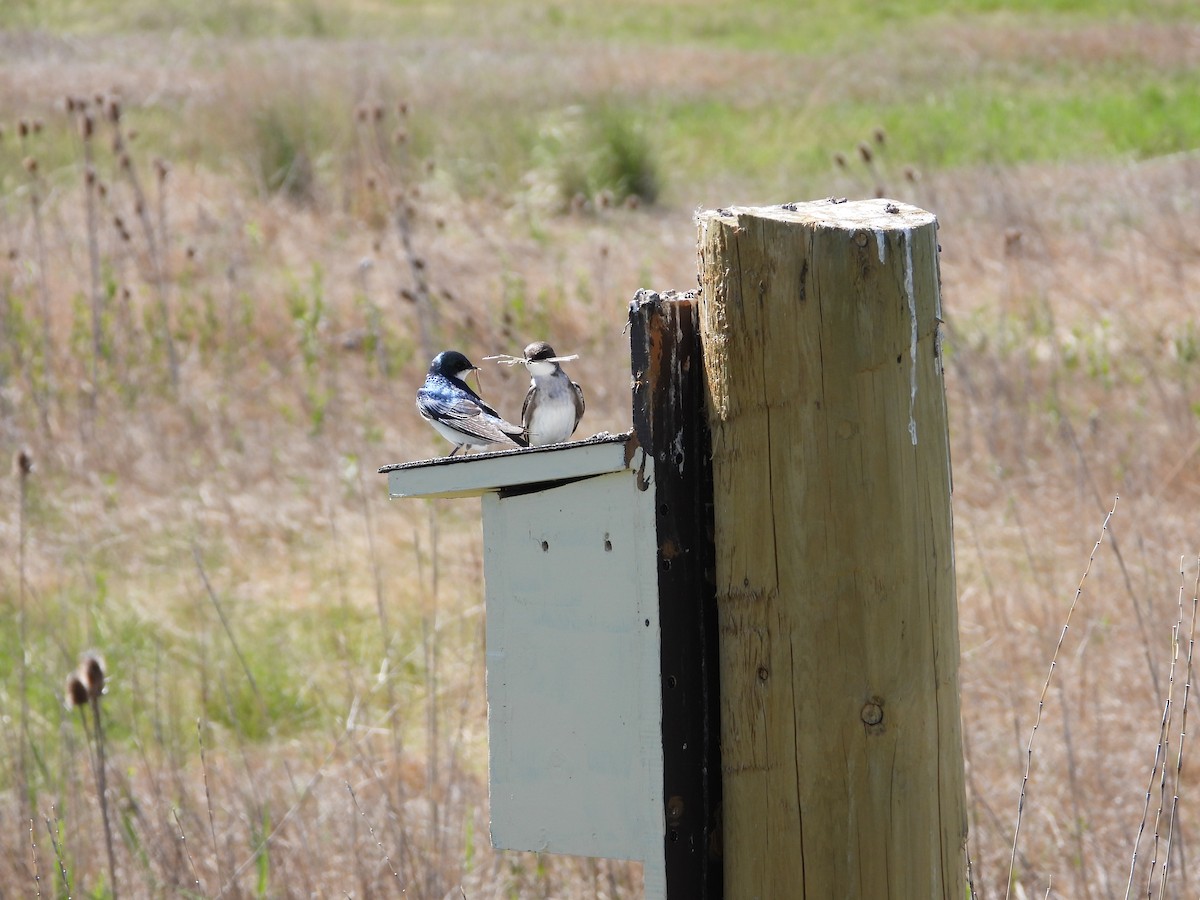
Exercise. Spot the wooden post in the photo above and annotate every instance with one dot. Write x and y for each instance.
(670, 426)
(841, 745)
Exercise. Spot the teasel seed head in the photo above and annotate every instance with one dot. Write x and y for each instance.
(91, 670)
(76, 691)
(23, 463)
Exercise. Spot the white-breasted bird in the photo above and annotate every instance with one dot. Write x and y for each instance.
(456, 412)
(554, 403)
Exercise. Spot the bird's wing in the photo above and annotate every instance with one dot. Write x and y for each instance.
(433, 405)
(527, 406)
(577, 396)
(469, 416)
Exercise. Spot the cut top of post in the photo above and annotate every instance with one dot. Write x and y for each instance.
(873, 215)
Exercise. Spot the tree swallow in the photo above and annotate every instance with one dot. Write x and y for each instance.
(456, 412)
(553, 403)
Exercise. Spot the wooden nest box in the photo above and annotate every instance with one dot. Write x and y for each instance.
(575, 563)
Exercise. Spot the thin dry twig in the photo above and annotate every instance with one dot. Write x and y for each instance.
(1187, 690)
(58, 856)
(1012, 860)
(154, 246)
(24, 466)
(216, 602)
(37, 872)
(371, 828)
(212, 825)
(187, 852)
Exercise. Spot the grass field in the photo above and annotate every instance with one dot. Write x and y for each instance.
(210, 343)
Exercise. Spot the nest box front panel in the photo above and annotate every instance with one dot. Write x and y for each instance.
(574, 705)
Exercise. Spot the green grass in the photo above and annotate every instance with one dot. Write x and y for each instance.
(775, 25)
(831, 74)
(982, 122)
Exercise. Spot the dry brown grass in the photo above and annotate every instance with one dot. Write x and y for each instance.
(1070, 295)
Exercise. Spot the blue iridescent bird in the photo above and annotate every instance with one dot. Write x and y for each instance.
(456, 412)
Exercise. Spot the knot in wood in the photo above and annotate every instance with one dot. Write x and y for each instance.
(872, 713)
(674, 810)
(763, 674)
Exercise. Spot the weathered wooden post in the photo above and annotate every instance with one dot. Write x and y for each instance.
(841, 743)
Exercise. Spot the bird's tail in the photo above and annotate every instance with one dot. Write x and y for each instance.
(516, 433)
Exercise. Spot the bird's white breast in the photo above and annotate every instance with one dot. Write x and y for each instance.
(552, 419)
(551, 423)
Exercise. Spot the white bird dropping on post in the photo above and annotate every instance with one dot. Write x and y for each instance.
(456, 412)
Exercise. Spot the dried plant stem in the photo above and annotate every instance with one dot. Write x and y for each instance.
(37, 870)
(1012, 860)
(316, 779)
(41, 393)
(428, 320)
(187, 852)
(1159, 756)
(1077, 817)
(371, 828)
(24, 467)
(216, 602)
(93, 244)
(1164, 742)
(58, 856)
(1086, 468)
(157, 252)
(1187, 691)
(208, 802)
(102, 791)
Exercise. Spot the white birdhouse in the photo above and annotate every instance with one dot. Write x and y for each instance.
(598, 742)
